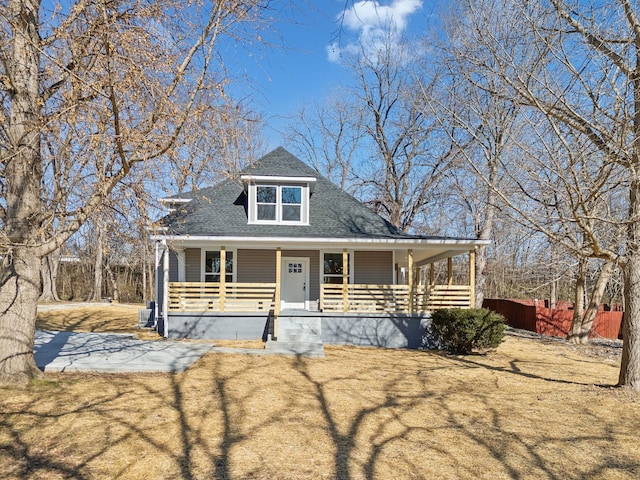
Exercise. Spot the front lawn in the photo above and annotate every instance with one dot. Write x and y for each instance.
(533, 409)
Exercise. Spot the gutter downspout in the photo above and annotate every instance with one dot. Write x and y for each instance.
(165, 288)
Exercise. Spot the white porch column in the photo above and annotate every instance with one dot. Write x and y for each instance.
(223, 277)
(410, 278)
(165, 288)
(276, 306)
(472, 279)
(156, 290)
(182, 264)
(345, 280)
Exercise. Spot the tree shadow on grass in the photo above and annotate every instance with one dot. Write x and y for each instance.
(515, 369)
(344, 439)
(371, 413)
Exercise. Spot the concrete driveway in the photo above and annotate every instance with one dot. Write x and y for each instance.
(110, 352)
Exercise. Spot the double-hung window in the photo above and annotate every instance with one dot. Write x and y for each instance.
(279, 203)
(291, 198)
(334, 268)
(273, 199)
(266, 202)
(212, 266)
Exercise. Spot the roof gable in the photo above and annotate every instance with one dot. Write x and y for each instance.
(221, 210)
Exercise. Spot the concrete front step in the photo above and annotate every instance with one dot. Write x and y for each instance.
(289, 334)
(298, 336)
(303, 349)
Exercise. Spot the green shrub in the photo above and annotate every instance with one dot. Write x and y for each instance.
(461, 331)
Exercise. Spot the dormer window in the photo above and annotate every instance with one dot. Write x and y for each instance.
(280, 200)
(267, 202)
(279, 203)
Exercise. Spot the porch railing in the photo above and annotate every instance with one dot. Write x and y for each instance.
(359, 298)
(215, 297)
(356, 298)
(432, 297)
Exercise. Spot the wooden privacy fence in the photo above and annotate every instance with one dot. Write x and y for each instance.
(527, 315)
(217, 297)
(361, 298)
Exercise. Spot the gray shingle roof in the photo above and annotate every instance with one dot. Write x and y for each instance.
(221, 210)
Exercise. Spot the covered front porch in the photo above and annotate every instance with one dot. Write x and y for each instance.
(418, 285)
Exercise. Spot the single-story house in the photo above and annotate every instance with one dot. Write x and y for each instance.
(279, 247)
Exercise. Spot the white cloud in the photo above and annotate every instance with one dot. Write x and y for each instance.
(373, 23)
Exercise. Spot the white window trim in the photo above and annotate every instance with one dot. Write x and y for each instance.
(253, 204)
(203, 258)
(352, 271)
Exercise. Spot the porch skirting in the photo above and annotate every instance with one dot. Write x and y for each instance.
(384, 330)
(218, 326)
(374, 330)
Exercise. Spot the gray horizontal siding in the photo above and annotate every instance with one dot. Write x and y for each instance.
(256, 266)
(193, 266)
(173, 266)
(373, 267)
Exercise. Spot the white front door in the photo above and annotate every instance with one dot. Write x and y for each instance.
(295, 282)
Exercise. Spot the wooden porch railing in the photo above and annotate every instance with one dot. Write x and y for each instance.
(392, 298)
(432, 297)
(210, 297)
(360, 298)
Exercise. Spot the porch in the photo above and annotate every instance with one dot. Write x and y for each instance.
(332, 287)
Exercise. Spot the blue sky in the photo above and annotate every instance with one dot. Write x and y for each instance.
(304, 65)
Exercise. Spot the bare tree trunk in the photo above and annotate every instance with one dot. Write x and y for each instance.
(553, 294)
(578, 301)
(481, 266)
(79, 95)
(580, 328)
(49, 272)
(144, 274)
(630, 365)
(19, 304)
(486, 232)
(98, 267)
(20, 277)
(114, 284)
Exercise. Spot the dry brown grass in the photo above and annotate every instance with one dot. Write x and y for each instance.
(532, 409)
(111, 318)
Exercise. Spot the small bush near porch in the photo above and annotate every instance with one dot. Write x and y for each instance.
(463, 330)
(534, 408)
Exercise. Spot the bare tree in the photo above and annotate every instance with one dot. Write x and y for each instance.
(88, 94)
(575, 67)
(329, 134)
(480, 126)
(223, 139)
(408, 153)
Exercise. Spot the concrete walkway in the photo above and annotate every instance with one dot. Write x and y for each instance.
(112, 352)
